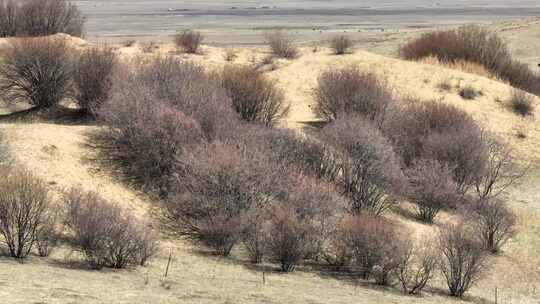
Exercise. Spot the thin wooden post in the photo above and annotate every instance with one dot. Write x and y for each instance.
(168, 263)
(496, 295)
(264, 278)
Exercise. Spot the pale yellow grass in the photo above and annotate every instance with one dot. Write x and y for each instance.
(60, 155)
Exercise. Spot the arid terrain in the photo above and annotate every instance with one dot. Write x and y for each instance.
(60, 154)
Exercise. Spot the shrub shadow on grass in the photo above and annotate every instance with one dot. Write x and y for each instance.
(57, 115)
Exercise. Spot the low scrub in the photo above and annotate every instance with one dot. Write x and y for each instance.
(350, 90)
(93, 77)
(106, 234)
(37, 70)
(254, 97)
(473, 44)
(40, 18)
(469, 93)
(369, 246)
(522, 103)
(416, 268)
(341, 44)
(493, 222)
(189, 41)
(24, 201)
(281, 45)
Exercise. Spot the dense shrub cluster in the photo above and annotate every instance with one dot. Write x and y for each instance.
(189, 41)
(40, 18)
(106, 234)
(255, 97)
(474, 44)
(521, 102)
(157, 111)
(36, 70)
(350, 90)
(281, 45)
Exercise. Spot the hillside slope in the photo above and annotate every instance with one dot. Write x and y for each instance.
(61, 156)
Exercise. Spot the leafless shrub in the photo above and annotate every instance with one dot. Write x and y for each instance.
(370, 246)
(500, 171)
(431, 188)
(348, 91)
(281, 45)
(105, 233)
(475, 44)
(255, 97)
(493, 222)
(521, 102)
(24, 200)
(417, 268)
(462, 259)
(255, 234)
(469, 92)
(8, 18)
(129, 43)
(48, 234)
(445, 85)
(370, 172)
(37, 70)
(217, 187)
(341, 44)
(93, 77)
(189, 41)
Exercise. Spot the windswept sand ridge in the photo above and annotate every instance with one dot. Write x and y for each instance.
(60, 155)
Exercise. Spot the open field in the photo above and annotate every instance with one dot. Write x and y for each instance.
(59, 153)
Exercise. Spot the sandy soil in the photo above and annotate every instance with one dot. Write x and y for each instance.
(60, 154)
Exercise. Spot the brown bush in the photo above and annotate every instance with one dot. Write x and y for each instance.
(340, 44)
(37, 70)
(462, 259)
(349, 90)
(106, 234)
(93, 77)
(493, 222)
(185, 86)
(369, 246)
(473, 44)
(289, 239)
(254, 97)
(282, 45)
(370, 170)
(417, 268)
(40, 18)
(255, 234)
(522, 103)
(469, 93)
(8, 18)
(217, 186)
(189, 41)
(24, 200)
(431, 188)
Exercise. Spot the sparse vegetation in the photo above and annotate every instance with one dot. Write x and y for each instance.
(93, 77)
(37, 70)
(282, 45)
(493, 223)
(350, 90)
(469, 92)
(190, 41)
(254, 97)
(417, 267)
(341, 44)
